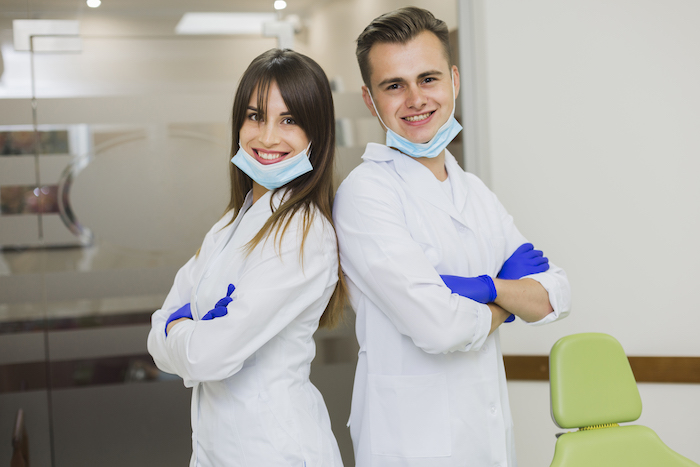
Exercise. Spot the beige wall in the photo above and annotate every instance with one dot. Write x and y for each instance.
(592, 117)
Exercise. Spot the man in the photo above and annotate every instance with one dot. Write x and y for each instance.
(434, 265)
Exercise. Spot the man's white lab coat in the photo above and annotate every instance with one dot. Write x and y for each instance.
(430, 387)
(252, 402)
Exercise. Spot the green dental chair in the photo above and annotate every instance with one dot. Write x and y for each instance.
(593, 389)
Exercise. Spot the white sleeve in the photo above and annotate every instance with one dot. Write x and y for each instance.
(274, 290)
(179, 295)
(380, 257)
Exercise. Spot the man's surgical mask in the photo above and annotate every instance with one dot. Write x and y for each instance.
(432, 148)
(273, 175)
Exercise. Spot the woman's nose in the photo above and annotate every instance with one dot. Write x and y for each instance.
(268, 134)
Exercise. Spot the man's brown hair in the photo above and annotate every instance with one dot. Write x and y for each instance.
(398, 26)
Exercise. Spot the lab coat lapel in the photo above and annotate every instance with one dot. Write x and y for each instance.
(459, 186)
(256, 216)
(424, 184)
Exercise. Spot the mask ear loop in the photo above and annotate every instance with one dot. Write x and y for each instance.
(369, 93)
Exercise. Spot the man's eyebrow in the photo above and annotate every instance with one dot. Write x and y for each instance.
(425, 74)
(421, 76)
(390, 81)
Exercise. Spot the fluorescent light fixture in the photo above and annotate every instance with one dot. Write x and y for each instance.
(280, 5)
(94, 3)
(223, 23)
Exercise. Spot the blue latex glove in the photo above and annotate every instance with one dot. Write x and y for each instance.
(220, 309)
(523, 262)
(479, 289)
(182, 312)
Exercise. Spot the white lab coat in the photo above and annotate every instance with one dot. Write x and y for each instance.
(430, 387)
(252, 402)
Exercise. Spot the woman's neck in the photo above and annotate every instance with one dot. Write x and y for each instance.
(258, 191)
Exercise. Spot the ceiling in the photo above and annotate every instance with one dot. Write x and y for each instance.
(136, 16)
(74, 9)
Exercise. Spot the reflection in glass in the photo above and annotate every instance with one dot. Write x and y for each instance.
(19, 199)
(18, 143)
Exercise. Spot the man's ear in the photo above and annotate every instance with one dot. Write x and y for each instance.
(368, 100)
(455, 74)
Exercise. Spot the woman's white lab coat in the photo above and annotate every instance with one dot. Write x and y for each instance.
(252, 402)
(430, 387)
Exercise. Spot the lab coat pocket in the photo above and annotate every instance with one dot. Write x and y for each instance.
(409, 415)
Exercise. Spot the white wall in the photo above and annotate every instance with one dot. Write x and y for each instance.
(593, 143)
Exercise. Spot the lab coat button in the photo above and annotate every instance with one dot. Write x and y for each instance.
(485, 348)
(493, 409)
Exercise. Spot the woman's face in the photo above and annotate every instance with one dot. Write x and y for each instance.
(274, 137)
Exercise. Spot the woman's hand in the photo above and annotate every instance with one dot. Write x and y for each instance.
(182, 313)
(220, 309)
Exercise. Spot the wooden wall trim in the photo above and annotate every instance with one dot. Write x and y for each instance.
(645, 369)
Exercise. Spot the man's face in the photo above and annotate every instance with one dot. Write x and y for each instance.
(412, 86)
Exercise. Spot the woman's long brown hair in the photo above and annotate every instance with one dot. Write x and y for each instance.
(307, 94)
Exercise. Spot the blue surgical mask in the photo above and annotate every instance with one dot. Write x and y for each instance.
(432, 148)
(273, 175)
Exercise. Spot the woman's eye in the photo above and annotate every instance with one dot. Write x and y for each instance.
(253, 117)
(289, 121)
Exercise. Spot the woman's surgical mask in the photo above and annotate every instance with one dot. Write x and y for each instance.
(432, 148)
(275, 175)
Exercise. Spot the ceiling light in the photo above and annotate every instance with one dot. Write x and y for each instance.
(223, 23)
(280, 5)
(94, 3)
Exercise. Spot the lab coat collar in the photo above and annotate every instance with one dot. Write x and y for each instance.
(422, 181)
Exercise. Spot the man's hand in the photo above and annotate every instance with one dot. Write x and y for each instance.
(523, 262)
(479, 289)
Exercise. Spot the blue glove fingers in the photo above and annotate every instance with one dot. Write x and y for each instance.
(183, 312)
(220, 309)
(227, 299)
(523, 262)
(216, 312)
(510, 319)
(224, 302)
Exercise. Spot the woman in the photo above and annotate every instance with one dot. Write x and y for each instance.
(238, 324)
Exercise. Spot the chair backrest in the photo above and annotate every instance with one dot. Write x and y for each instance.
(593, 388)
(591, 382)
